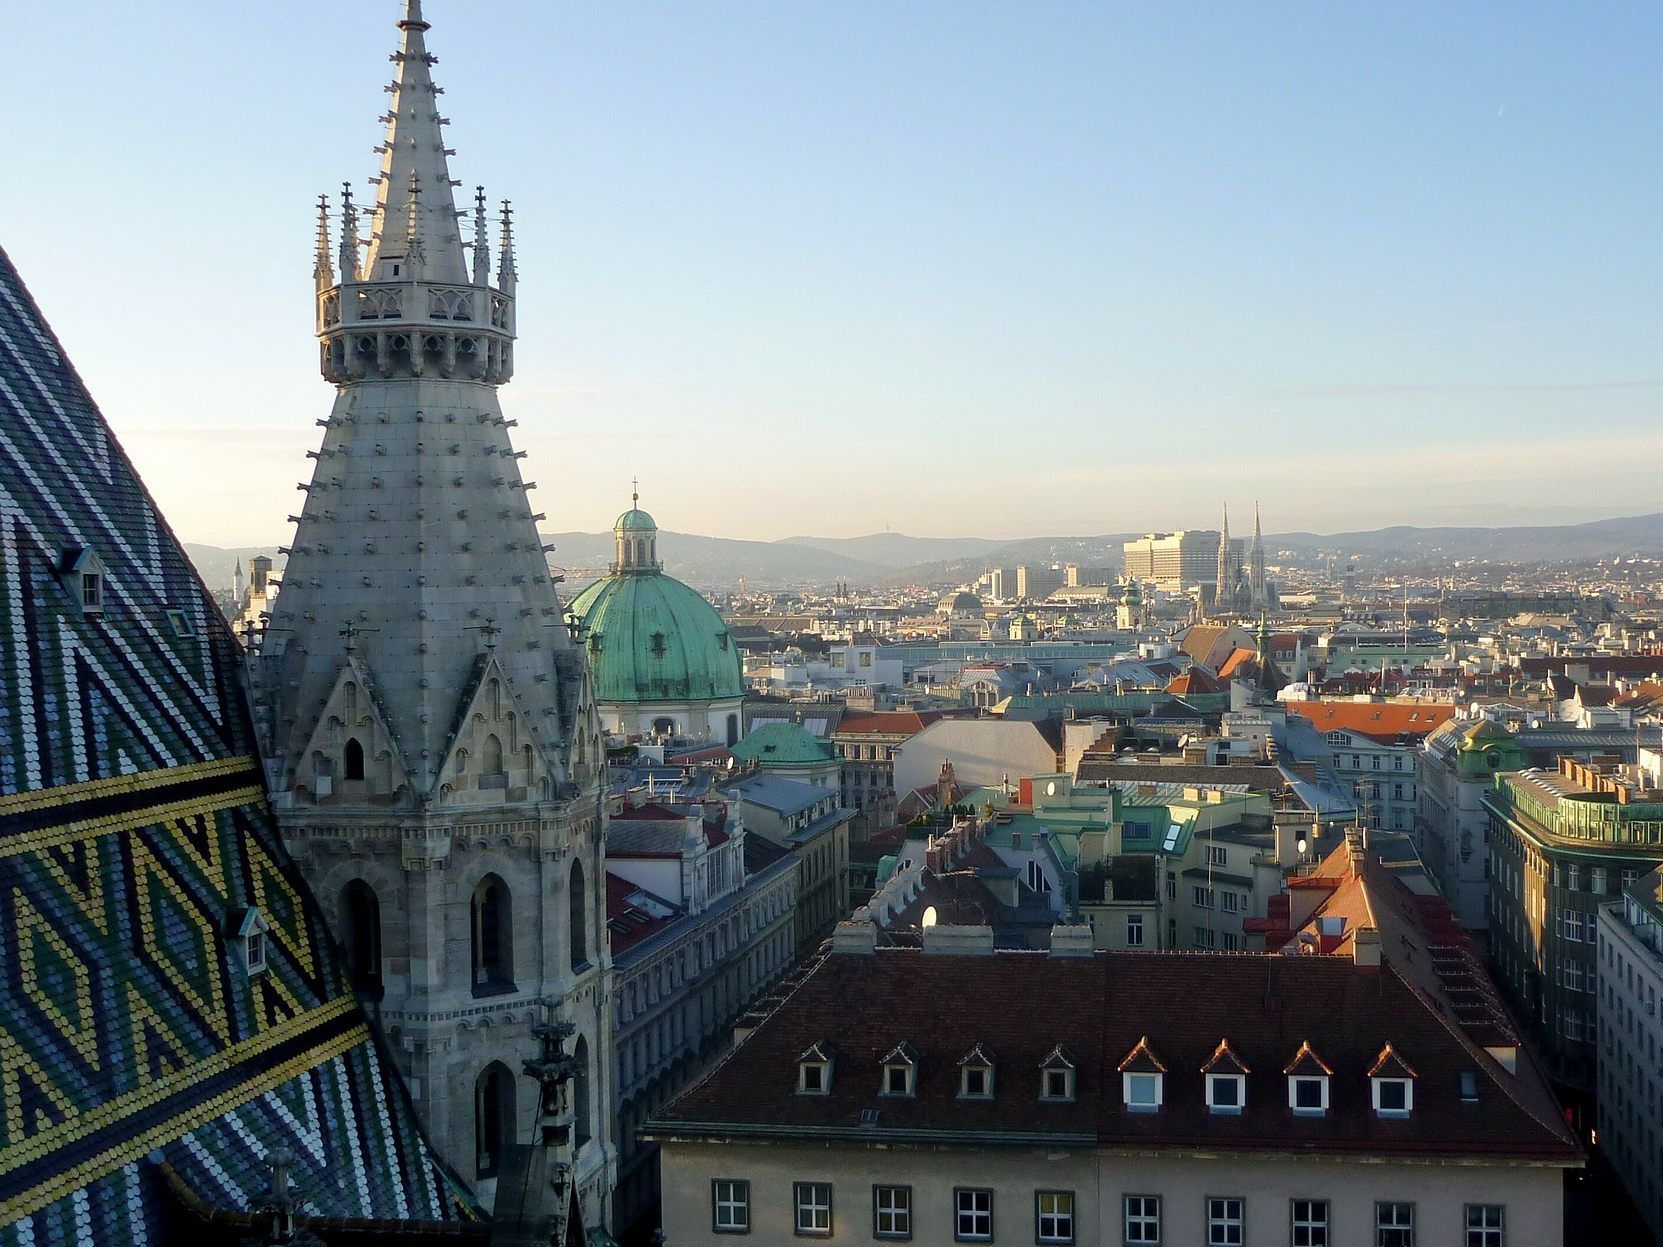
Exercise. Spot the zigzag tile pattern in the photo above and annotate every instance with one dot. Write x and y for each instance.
(133, 831)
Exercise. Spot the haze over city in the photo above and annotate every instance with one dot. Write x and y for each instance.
(1146, 252)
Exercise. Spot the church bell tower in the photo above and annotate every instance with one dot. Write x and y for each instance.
(431, 743)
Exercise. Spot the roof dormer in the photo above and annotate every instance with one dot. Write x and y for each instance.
(1142, 1079)
(976, 1074)
(1392, 1084)
(900, 1071)
(246, 930)
(1308, 1076)
(1226, 1080)
(814, 1071)
(1057, 1076)
(83, 572)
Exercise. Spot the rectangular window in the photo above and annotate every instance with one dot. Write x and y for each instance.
(1224, 1222)
(730, 1206)
(1053, 1216)
(1143, 1220)
(891, 1212)
(814, 1209)
(1201, 897)
(1230, 941)
(1230, 902)
(1217, 855)
(972, 1214)
(1308, 1219)
(1142, 1092)
(1134, 930)
(1308, 1095)
(1486, 1225)
(1394, 1225)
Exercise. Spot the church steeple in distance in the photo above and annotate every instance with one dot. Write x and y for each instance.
(1256, 565)
(432, 745)
(1225, 587)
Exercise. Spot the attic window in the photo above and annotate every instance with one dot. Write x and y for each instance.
(900, 1072)
(976, 1075)
(1142, 1079)
(814, 1072)
(1393, 1084)
(1307, 1083)
(1056, 1076)
(1226, 1080)
(181, 623)
(247, 931)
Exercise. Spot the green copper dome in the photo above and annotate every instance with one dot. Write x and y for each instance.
(634, 520)
(652, 639)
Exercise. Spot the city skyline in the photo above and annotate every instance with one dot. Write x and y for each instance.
(1178, 250)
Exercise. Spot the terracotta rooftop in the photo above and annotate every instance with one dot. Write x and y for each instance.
(1379, 721)
(1021, 1005)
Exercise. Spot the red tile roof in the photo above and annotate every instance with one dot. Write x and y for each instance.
(626, 923)
(886, 722)
(1378, 720)
(1102, 1008)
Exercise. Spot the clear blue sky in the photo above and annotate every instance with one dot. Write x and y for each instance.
(1004, 269)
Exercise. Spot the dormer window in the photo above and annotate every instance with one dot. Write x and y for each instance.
(84, 571)
(814, 1070)
(900, 1072)
(1392, 1081)
(1308, 1076)
(1056, 1076)
(246, 930)
(976, 1075)
(1226, 1080)
(1142, 1079)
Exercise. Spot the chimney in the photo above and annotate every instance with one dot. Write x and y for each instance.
(1071, 941)
(1365, 946)
(855, 937)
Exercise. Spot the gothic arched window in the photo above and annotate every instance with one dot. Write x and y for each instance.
(363, 935)
(353, 760)
(581, 1112)
(493, 1098)
(493, 937)
(578, 906)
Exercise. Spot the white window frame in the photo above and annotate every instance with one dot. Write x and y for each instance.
(1314, 1228)
(824, 1068)
(1062, 1226)
(1142, 1227)
(734, 1202)
(1045, 1076)
(1128, 1080)
(986, 1071)
(1215, 1082)
(1380, 1110)
(966, 1201)
(1481, 1230)
(898, 1210)
(1321, 1109)
(1134, 928)
(1394, 1233)
(1226, 1221)
(909, 1080)
(805, 1198)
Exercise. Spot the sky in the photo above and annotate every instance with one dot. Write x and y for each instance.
(947, 268)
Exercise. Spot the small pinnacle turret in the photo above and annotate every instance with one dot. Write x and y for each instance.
(507, 274)
(323, 272)
(481, 242)
(349, 235)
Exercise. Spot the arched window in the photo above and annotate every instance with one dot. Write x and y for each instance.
(353, 761)
(581, 1129)
(490, 757)
(578, 905)
(349, 699)
(733, 729)
(496, 699)
(363, 936)
(493, 938)
(493, 1098)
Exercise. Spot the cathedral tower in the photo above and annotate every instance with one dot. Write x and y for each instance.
(431, 743)
(1256, 566)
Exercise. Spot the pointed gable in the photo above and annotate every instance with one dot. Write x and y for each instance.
(351, 755)
(493, 756)
(1142, 1059)
(1224, 1060)
(1389, 1064)
(1306, 1062)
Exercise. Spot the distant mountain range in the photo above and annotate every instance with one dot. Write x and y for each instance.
(718, 564)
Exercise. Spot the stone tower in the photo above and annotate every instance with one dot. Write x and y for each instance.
(1256, 566)
(1225, 585)
(431, 743)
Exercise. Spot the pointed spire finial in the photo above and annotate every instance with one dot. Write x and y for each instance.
(507, 274)
(481, 242)
(418, 252)
(349, 234)
(323, 270)
(635, 491)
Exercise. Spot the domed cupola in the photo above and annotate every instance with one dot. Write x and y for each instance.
(635, 538)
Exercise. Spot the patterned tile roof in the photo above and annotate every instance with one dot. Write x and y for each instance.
(134, 838)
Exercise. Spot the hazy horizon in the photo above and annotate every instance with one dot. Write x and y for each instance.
(940, 268)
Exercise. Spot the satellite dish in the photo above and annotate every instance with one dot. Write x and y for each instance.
(929, 918)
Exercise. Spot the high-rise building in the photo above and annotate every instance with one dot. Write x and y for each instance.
(1179, 561)
(1035, 584)
(432, 744)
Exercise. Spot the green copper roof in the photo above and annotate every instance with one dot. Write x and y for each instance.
(635, 520)
(783, 744)
(652, 639)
